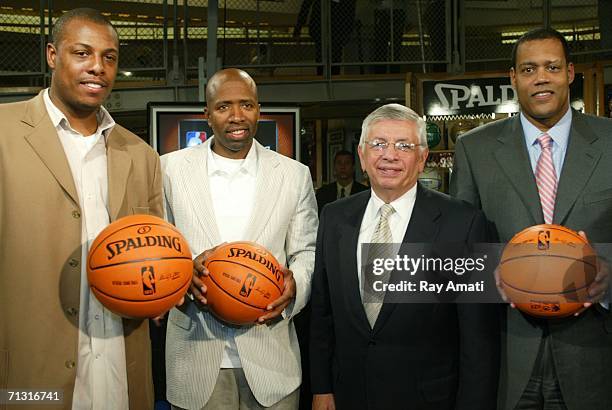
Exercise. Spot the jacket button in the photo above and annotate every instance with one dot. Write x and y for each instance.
(70, 364)
(76, 214)
(73, 262)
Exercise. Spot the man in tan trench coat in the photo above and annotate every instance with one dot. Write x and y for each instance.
(66, 171)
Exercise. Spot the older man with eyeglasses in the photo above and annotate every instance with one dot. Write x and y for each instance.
(396, 356)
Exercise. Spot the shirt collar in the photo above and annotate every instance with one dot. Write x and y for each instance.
(248, 165)
(58, 118)
(401, 204)
(559, 132)
(346, 188)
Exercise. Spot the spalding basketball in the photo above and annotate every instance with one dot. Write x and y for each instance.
(434, 136)
(244, 278)
(139, 266)
(546, 270)
(459, 128)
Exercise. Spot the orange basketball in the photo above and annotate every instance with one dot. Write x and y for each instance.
(546, 270)
(244, 278)
(139, 266)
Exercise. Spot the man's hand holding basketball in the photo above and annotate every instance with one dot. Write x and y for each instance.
(598, 288)
(500, 288)
(198, 288)
(276, 308)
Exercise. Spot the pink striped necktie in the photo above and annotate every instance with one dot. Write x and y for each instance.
(546, 178)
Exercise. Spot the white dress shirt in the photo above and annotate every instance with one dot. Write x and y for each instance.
(101, 380)
(347, 190)
(232, 187)
(398, 221)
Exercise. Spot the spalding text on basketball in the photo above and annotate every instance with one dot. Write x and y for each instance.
(163, 241)
(241, 253)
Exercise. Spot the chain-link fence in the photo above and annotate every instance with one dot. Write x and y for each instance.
(349, 36)
(492, 27)
(400, 35)
(264, 36)
(163, 39)
(578, 21)
(22, 40)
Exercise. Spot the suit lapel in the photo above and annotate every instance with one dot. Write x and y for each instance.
(514, 161)
(582, 156)
(422, 228)
(194, 178)
(348, 242)
(269, 183)
(47, 145)
(119, 165)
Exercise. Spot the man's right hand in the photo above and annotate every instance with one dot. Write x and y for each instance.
(500, 288)
(323, 402)
(198, 288)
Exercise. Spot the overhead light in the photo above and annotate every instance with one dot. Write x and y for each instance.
(127, 73)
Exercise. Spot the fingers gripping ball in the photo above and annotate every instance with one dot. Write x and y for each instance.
(244, 278)
(139, 266)
(546, 271)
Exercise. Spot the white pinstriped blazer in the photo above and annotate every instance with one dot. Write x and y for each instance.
(284, 220)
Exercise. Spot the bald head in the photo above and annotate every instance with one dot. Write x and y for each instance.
(223, 76)
(232, 109)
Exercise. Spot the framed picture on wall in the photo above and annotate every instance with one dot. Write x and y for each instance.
(331, 153)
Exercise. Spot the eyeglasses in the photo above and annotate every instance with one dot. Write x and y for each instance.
(381, 145)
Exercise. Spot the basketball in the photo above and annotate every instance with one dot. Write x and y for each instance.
(546, 271)
(244, 278)
(434, 136)
(139, 266)
(459, 128)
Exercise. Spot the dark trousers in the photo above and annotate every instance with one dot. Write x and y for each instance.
(543, 391)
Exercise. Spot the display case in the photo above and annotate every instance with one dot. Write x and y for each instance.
(455, 104)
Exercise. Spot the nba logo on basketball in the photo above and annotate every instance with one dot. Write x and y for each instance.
(247, 286)
(543, 240)
(148, 280)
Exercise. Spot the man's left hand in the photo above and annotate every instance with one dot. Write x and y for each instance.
(276, 308)
(597, 290)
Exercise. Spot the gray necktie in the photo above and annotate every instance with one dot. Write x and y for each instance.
(341, 193)
(380, 249)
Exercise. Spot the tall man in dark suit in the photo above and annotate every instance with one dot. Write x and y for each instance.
(344, 185)
(401, 356)
(548, 164)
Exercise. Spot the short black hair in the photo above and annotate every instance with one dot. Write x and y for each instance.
(83, 13)
(344, 152)
(541, 33)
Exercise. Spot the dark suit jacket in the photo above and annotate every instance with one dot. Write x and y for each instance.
(493, 172)
(418, 356)
(329, 193)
